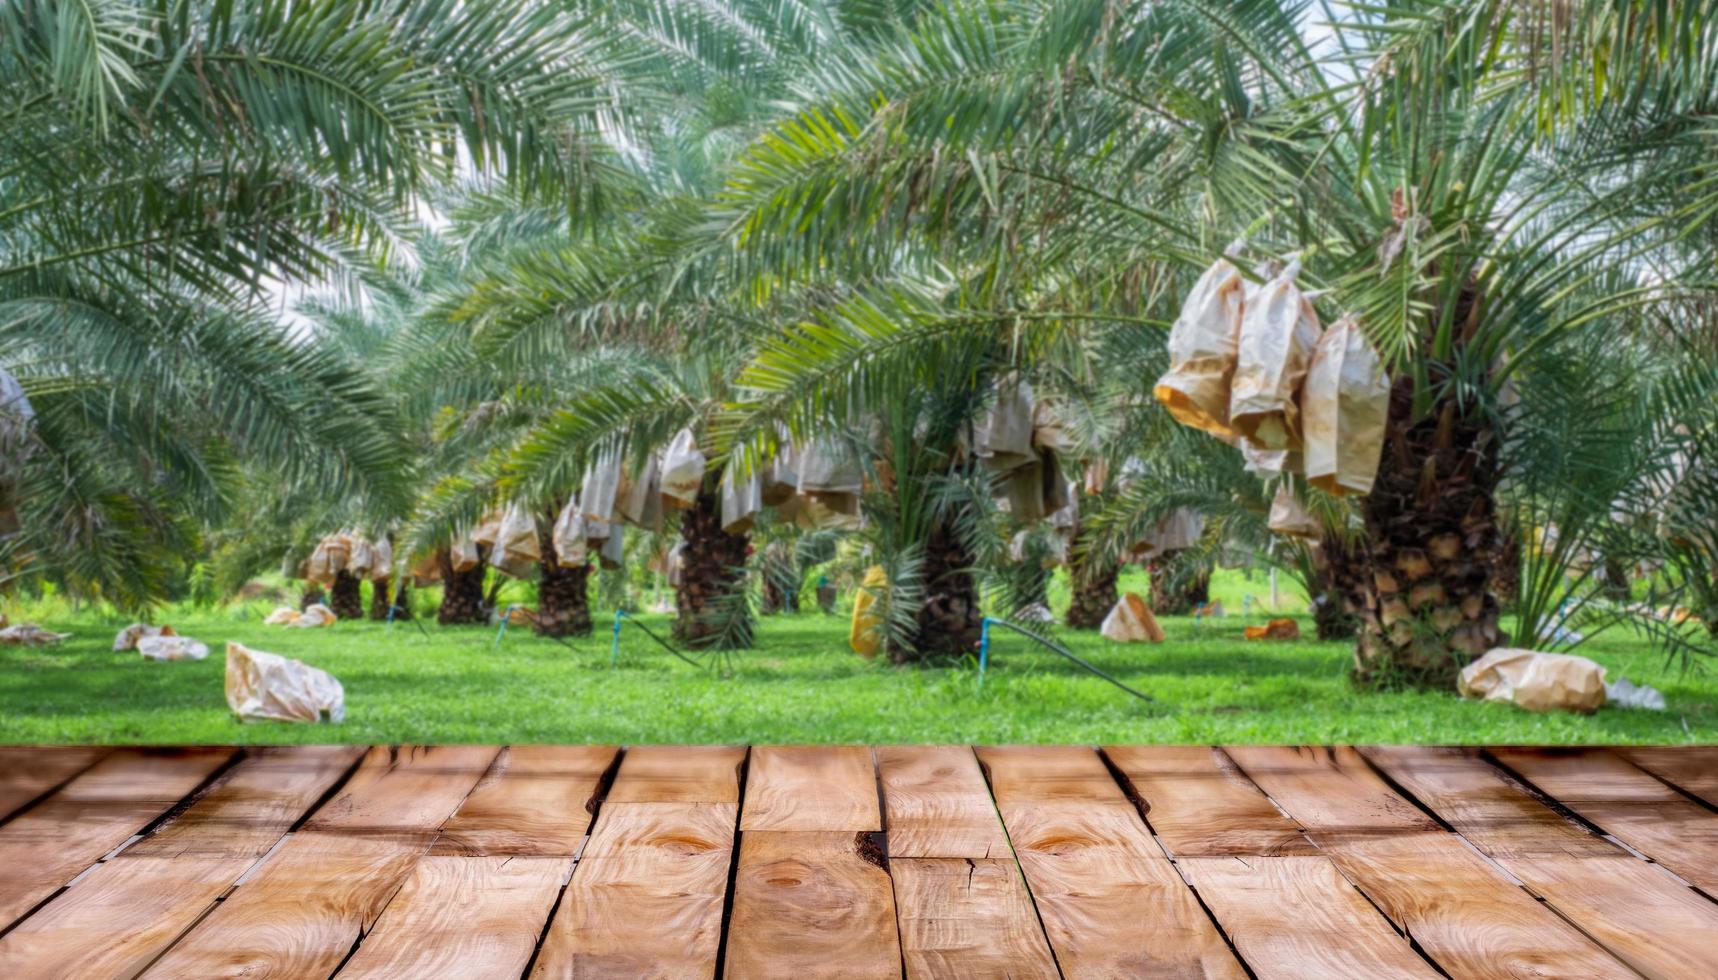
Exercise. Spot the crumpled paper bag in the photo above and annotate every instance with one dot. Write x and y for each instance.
(1131, 621)
(1535, 681)
(1343, 405)
(1279, 331)
(269, 687)
(314, 615)
(742, 499)
(282, 616)
(570, 538)
(682, 468)
(1195, 389)
(516, 549)
(639, 500)
(172, 648)
(1276, 629)
(126, 639)
(1003, 434)
(1291, 518)
(30, 635)
(599, 495)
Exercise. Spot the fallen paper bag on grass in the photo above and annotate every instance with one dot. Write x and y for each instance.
(1626, 694)
(1195, 389)
(314, 615)
(1276, 629)
(172, 648)
(127, 638)
(865, 635)
(282, 616)
(269, 687)
(30, 635)
(1131, 621)
(1343, 408)
(1273, 350)
(1535, 681)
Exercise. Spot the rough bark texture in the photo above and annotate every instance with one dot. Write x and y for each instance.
(403, 599)
(346, 598)
(779, 592)
(311, 595)
(461, 592)
(563, 594)
(708, 601)
(1616, 584)
(949, 623)
(1338, 563)
(1506, 577)
(379, 600)
(1432, 547)
(1094, 594)
(1167, 599)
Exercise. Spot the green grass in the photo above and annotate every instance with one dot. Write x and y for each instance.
(800, 685)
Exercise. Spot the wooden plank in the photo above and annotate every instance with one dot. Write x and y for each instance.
(49, 844)
(1471, 920)
(28, 771)
(937, 803)
(679, 774)
(1692, 768)
(811, 787)
(463, 916)
(646, 898)
(1282, 903)
(1199, 805)
(1637, 911)
(1093, 869)
(1627, 803)
(967, 918)
(140, 901)
(536, 800)
(1297, 917)
(304, 907)
(811, 904)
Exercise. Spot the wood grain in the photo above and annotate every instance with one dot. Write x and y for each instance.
(535, 801)
(143, 899)
(1093, 867)
(811, 904)
(679, 774)
(28, 771)
(811, 787)
(49, 844)
(646, 898)
(962, 917)
(1471, 920)
(937, 803)
(1297, 917)
(1199, 805)
(1636, 910)
(462, 916)
(1629, 804)
(1692, 768)
(404, 791)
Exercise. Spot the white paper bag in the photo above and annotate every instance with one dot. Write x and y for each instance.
(268, 687)
(1279, 331)
(171, 648)
(1196, 388)
(1344, 406)
(682, 469)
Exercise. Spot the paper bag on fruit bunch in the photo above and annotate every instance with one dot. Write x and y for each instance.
(1290, 517)
(683, 467)
(1131, 621)
(327, 560)
(1279, 332)
(426, 571)
(613, 552)
(516, 549)
(1003, 435)
(1344, 404)
(639, 500)
(382, 564)
(781, 475)
(268, 687)
(463, 554)
(742, 499)
(599, 495)
(1202, 353)
(569, 537)
(360, 555)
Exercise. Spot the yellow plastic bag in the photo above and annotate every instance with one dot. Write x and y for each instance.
(1535, 681)
(1279, 331)
(1195, 389)
(1344, 406)
(866, 634)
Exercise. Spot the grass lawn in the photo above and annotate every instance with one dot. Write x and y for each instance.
(801, 684)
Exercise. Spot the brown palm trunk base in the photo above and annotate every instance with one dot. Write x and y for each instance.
(346, 598)
(1506, 577)
(1433, 543)
(712, 573)
(1194, 591)
(1094, 595)
(311, 595)
(461, 592)
(403, 600)
(1338, 564)
(949, 623)
(379, 600)
(563, 594)
(776, 598)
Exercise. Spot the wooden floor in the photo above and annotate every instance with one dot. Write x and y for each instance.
(848, 861)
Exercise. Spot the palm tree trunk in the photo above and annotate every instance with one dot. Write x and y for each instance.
(710, 601)
(461, 592)
(346, 598)
(1094, 593)
(563, 594)
(1337, 562)
(949, 623)
(1431, 526)
(379, 600)
(1506, 577)
(311, 595)
(1193, 592)
(402, 604)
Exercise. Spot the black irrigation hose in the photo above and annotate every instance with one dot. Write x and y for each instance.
(620, 614)
(1053, 647)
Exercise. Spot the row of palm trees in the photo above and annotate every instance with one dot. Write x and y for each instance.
(859, 226)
